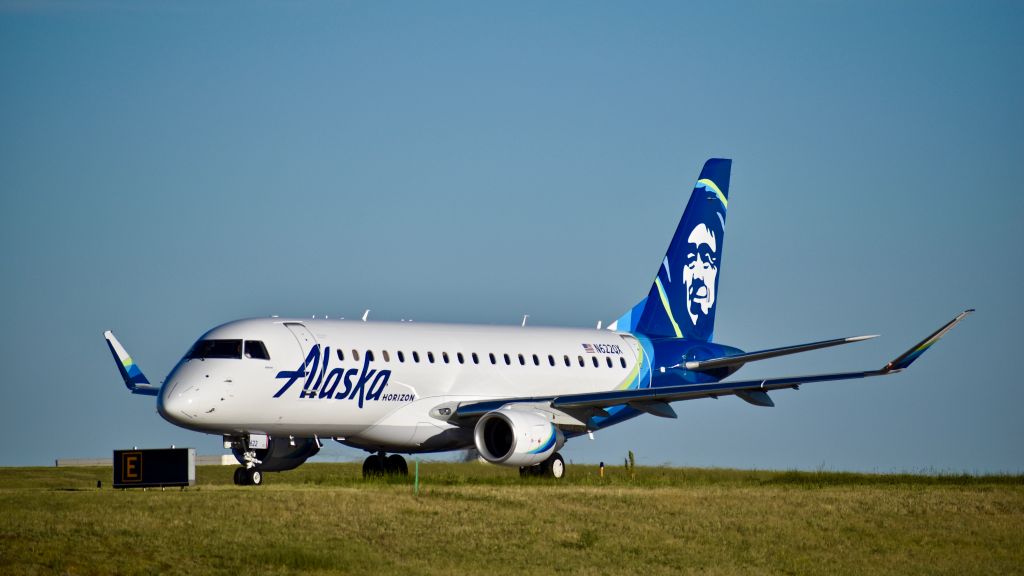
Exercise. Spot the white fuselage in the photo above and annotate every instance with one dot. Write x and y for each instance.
(379, 391)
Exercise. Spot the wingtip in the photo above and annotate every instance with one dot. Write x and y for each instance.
(862, 338)
(908, 357)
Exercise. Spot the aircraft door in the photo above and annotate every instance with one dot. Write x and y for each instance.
(639, 356)
(303, 336)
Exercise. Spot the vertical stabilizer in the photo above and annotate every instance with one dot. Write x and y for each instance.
(683, 298)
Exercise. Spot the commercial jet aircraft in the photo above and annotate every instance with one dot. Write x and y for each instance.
(275, 388)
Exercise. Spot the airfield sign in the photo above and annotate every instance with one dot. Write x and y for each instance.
(154, 468)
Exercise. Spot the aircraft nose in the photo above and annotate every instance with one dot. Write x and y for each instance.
(178, 403)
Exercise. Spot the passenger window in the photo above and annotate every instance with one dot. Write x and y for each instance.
(594, 358)
(609, 359)
(508, 360)
(476, 359)
(622, 360)
(401, 356)
(522, 362)
(567, 361)
(551, 359)
(415, 356)
(369, 355)
(444, 356)
(580, 358)
(430, 357)
(491, 355)
(536, 361)
(341, 355)
(355, 355)
(384, 353)
(462, 359)
(256, 350)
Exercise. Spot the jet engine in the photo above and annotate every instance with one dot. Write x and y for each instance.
(513, 437)
(281, 455)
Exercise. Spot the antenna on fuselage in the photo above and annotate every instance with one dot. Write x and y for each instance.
(366, 314)
(525, 316)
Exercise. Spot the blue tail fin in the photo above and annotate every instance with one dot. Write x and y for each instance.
(684, 296)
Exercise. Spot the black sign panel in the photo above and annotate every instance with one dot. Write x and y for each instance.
(154, 468)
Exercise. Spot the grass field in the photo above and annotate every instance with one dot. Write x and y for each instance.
(481, 519)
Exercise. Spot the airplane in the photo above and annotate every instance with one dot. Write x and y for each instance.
(276, 388)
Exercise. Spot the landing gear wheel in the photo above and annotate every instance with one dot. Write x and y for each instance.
(554, 467)
(395, 465)
(239, 476)
(373, 466)
(253, 477)
(531, 471)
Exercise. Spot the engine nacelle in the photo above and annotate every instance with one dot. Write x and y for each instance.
(514, 437)
(281, 455)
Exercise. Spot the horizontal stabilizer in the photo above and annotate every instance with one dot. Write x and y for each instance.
(740, 359)
(133, 377)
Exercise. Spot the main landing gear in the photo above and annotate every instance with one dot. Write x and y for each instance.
(380, 464)
(553, 467)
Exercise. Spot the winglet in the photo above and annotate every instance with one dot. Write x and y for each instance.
(908, 357)
(133, 378)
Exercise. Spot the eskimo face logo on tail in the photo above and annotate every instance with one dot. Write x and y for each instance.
(363, 384)
(700, 272)
(698, 253)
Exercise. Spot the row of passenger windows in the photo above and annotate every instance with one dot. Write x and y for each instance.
(491, 357)
(255, 349)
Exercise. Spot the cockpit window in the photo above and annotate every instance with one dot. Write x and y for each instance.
(256, 350)
(217, 349)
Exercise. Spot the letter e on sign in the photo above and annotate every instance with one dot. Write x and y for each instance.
(131, 467)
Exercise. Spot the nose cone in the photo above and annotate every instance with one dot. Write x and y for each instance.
(180, 400)
(174, 404)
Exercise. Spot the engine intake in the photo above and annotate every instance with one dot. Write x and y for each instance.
(512, 437)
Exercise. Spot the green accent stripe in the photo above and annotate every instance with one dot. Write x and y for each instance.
(668, 308)
(709, 184)
(634, 374)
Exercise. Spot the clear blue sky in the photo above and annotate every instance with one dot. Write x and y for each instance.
(168, 167)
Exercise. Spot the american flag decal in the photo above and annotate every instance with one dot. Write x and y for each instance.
(588, 348)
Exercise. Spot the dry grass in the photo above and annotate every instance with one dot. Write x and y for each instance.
(471, 518)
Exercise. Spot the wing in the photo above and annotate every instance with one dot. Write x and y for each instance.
(740, 359)
(655, 400)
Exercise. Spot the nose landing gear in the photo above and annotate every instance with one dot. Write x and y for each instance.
(248, 477)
